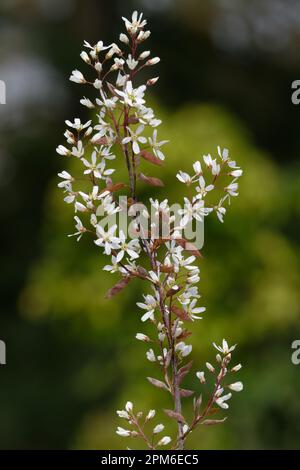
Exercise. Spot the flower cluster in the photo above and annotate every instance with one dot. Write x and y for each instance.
(124, 124)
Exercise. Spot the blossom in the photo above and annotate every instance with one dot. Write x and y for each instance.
(236, 386)
(164, 441)
(77, 77)
(183, 349)
(150, 355)
(156, 145)
(200, 375)
(221, 401)
(61, 150)
(149, 305)
(131, 62)
(183, 177)
(159, 428)
(107, 240)
(142, 337)
(132, 247)
(77, 124)
(194, 311)
(80, 229)
(224, 349)
(136, 22)
(135, 138)
(150, 415)
(123, 432)
(192, 210)
(132, 96)
(202, 189)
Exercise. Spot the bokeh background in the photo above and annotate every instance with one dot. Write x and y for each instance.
(226, 73)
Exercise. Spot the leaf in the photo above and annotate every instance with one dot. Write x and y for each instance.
(166, 269)
(101, 141)
(150, 157)
(118, 287)
(211, 422)
(114, 187)
(197, 404)
(158, 383)
(183, 371)
(132, 120)
(174, 415)
(182, 314)
(150, 180)
(173, 291)
(186, 393)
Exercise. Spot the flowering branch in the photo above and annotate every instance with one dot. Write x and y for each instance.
(122, 124)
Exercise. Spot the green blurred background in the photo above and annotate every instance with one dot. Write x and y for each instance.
(226, 74)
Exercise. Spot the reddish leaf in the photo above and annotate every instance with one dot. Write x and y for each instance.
(118, 287)
(184, 371)
(211, 422)
(158, 383)
(186, 393)
(179, 312)
(115, 187)
(151, 158)
(177, 416)
(150, 180)
(166, 269)
(101, 141)
(132, 120)
(197, 403)
(173, 291)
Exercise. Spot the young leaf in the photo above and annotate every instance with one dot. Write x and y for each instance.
(186, 393)
(150, 157)
(150, 180)
(118, 287)
(211, 422)
(179, 312)
(174, 415)
(158, 383)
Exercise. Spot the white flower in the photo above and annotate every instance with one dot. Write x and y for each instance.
(202, 189)
(77, 77)
(153, 61)
(150, 355)
(131, 62)
(210, 367)
(97, 169)
(232, 189)
(156, 145)
(107, 240)
(144, 55)
(149, 305)
(221, 401)
(123, 432)
(150, 415)
(224, 349)
(223, 154)
(132, 96)
(236, 368)
(135, 138)
(123, 38)
(194, 311)
(192, 210)
(132, 248)
(80, 229)
(201, 376)
(183, 177)
(136, 22)
(220, 211)
(158, 428)
(67, 179)
(236, 386)
(197, 168)
(164, 441)
(85, 57)
(142, 337)
(77, 124)
(236, 173)
(129, 407)
(183, 349)
(61, 150)
(123, 414)
(87, 102)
